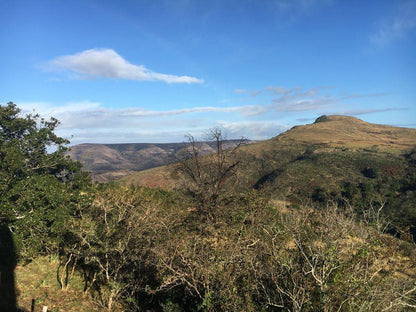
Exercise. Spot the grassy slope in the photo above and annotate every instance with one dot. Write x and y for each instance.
(338, 136)
(352, 132)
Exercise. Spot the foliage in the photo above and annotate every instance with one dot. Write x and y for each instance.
(148, 249)
(110, 242)
(39, 185)
(351, 178)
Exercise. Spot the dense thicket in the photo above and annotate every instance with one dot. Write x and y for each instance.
(143, 249)
(358, 178)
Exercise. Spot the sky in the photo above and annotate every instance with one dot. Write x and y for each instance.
(132, 71)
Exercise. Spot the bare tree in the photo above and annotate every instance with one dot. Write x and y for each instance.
(207, 177)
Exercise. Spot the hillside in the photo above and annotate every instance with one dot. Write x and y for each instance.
(326, 134)
(108, 162)
(337, 158)
(112, 161)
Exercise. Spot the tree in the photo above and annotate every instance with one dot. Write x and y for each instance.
(39, 184)
(207, 177)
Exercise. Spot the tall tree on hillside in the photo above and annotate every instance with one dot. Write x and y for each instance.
(39, 184)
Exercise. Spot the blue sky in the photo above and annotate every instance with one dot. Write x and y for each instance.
(153, 71)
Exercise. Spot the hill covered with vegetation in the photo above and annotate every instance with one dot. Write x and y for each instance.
(281, 225)
(339, 159)
(345, 131)
(108, 162)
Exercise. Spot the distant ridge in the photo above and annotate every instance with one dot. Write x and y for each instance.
(108, 162)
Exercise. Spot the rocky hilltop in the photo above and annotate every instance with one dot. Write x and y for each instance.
(350, 132)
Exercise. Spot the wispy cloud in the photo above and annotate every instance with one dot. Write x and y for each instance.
(254, 130)
(245, 109)
(397, 27)
(245, 91)
(282, 90)
(255, 93)
(357, 96)
(313, 104)
(92, 122)
(280, 99)
(358, 112)
(107, 63)
(297, 99)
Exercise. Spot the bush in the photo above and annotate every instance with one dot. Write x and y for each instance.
(149, 250)
(40, 187)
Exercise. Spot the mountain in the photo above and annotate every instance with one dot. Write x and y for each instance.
(108, 162)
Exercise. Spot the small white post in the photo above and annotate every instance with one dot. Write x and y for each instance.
(45, 309)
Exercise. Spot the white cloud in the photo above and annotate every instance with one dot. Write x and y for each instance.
(106, 63)
(91, 122)
(397, 27)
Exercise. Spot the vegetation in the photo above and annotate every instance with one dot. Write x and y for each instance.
(39, 186)
(275, 230)
(350, 178)
(148, 249)
(207, 179)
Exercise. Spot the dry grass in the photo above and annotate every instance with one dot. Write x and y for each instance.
(159, 177)
(37, 280)
(343, 131)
